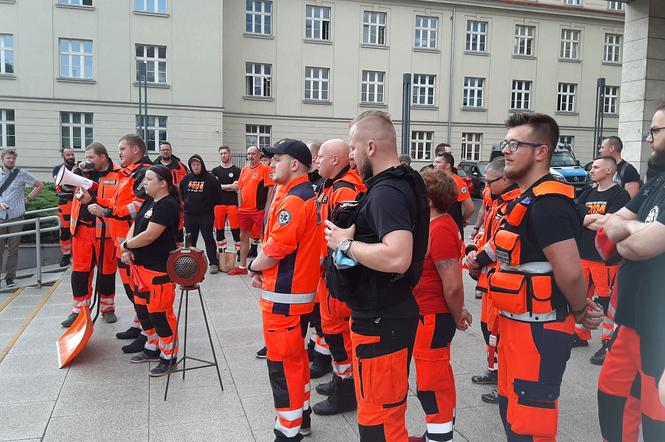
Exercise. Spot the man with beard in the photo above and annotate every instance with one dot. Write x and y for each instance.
(172, 162)
(200, 192)
(387, 241)
(538, 286)
(637, 356)
(65, 198)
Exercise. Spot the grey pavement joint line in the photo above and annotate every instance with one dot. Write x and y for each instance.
(55, 404)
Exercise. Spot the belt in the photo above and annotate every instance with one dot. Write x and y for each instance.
(536, 267)
(288, 298)
(530, 317)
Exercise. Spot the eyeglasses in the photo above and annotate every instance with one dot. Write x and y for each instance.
(653, 131)
(513, 145)
(488, 182)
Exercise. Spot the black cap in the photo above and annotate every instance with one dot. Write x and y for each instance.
(294, 148)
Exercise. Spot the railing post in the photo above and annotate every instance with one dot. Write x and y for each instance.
(38, 251)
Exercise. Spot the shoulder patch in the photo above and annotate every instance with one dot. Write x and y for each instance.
(464, 189)
(284, 217)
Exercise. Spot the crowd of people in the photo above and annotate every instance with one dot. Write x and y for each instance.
(370, 253)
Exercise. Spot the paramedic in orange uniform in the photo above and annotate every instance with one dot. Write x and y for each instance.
(287, 271)
(463, 209)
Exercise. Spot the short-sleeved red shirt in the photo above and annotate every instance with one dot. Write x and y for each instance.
(445, 243)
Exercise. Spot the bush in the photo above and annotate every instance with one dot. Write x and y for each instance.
(46, 198)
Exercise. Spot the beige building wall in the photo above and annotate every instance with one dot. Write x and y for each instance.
(286, 49)
(191, 99)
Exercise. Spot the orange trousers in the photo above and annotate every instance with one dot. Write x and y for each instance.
(86, 257)
(222, 214)
(154, 297)
(489, 325)
(532, 360)
(434, 375)
(65, 215)
(600, 278)
(336, 327)
(627, 396)
(382, 350)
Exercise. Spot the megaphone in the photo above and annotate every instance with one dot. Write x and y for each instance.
(69, 178)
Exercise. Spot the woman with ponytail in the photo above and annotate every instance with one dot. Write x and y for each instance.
(146, 250)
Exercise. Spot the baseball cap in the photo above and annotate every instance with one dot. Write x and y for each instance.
(294, 148)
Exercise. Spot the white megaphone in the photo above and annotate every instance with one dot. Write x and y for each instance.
(68, 178)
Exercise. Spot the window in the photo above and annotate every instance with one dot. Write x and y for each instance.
(7, 128)
(259, 79)
(610, 104)
(374, 28)
(566, 97)
(426, 32)
(476, 36)
(258, 135)
(156, 130)
(75, 2)
(423, 90)
(524, 36)
(612, 52)
(316, 83)
(75, 129)
(572, 2)
(473, 92)
(76, 59)
(521, 95)
(153, 6)
(6, 54)
(471, 145)
(570, 44)
(258, 17)
(421, 145)
(372, 87)
(615, 6)
(567, 140)
(154, 60)
(317, 23)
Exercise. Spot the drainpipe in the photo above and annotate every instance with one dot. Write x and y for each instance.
(450, 76)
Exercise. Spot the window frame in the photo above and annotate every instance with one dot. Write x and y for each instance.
(6, 50)
(381, 28)
(320, 81)
(155, 61)
(570, 46)
(475, 145)
(421, 145)
(75, 3)
(321, 20)
(156, 3)
(259, 135)
(614, 48)
(521, 95)
(616, 6)
(611, 100)
(571, 99)
(527, 40)
(476, 37)
(372, 87)
(71, 54)
(266, 79)
(428, 30)
(572, 2)
(157, 129)
(265, 17)
(82, 126)
(5, 124)
(423, 91)
(477, 90)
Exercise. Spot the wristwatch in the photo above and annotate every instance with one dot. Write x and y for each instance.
(345, 246)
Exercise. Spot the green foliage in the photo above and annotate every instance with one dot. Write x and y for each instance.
(46, 198)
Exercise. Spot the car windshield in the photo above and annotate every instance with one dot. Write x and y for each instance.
(460, 172)
(562, 158)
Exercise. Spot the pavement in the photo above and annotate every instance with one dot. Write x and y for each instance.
(101, 396)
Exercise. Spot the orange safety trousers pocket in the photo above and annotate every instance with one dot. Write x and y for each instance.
(432, 368)
(384, 379)
(508, 247)
(284, 342)
(518, 293)
(162, 297)
(533, 408)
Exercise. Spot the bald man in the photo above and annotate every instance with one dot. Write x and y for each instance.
(380, 246)
(254, 186)
(340, 184)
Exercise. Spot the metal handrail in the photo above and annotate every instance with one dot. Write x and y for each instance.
(37, 231)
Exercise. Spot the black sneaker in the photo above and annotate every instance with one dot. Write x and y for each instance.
(342, 400)
(70, 320)
(577, 342)
(321, 365)
(109, 317)
(490, 398)
(130, 333)
(262, 354)
(10, 282)
(145, 356)
(136, 345)
(162, 368)
(65, 261)
(253, 251)
(328, 388)
(599, 357)
(306, 425)
(488, 378)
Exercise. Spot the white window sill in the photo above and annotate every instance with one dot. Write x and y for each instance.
(257, 98)
(570, 60)
(7, 76)
(317, 102)
(374, 46)
(8, 1)
(517, 111)
(81, 7)
(429, 107)
(482, 54)
(153, 85)
(369, 104)
(427, 50)
(566, 113)
(76, 80)
(255, 35)
(152, 14)
(474, 109)
(315, 41)
(524, 57)
(611, 115)
(612, 63)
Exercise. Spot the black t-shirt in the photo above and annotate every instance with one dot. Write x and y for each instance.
(165, 212)
(455, 211)
(227, 175)
(641, 283)
(626, 173)
(594, 201)
(387, 207)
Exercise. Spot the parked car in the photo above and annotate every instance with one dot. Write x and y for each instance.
(476, 171)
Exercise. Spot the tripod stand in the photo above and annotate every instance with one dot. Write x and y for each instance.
(184, 294)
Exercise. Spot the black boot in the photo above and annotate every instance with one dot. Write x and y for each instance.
(321, 365)
(130, 333)
(343, 399)
(136, 346)
(329, 387)
(253, 251)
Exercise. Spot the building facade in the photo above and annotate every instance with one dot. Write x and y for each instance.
(305, 68)
(242, 72)
(69, 74)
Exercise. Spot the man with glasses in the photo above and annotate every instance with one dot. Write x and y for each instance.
(637, 356)
(626, 175)
(538, 286)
